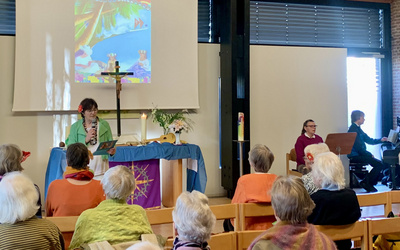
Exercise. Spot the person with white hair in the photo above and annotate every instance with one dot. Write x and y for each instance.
(193, 221)
(113, 220)
(19, 227)
(334, 204)
(292, 205)
(310, 152)
(11, 158)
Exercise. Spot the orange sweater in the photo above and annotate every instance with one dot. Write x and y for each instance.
(67, 199)
(254, 188)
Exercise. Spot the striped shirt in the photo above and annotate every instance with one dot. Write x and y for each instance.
(32, 234)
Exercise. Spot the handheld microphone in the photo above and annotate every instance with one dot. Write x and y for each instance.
(93, 140)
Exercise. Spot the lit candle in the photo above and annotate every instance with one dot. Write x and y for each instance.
(144, 129)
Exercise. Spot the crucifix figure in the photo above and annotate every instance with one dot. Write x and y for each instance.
(118, 87)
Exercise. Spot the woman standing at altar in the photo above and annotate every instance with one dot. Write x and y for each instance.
(91, 131)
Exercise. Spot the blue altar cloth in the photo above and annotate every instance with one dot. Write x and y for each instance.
(196, 177)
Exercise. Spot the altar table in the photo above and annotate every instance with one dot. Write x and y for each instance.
(196, 173)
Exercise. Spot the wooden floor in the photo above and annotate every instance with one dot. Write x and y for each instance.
(167, 230)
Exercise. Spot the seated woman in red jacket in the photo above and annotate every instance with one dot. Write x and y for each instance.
(306, 138)
(254, 188)
(78, 190)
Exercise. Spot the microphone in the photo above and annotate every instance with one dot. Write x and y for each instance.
(93, 140)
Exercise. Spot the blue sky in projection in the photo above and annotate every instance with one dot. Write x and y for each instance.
(125, 38)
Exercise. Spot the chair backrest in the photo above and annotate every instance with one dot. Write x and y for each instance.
(359, 229)
(379, 226)
(375, 199)
(65, 223)
(253, 210)
(245, 238)
(160, 216)
(291, 157)
(223, 241)
(227, 211)
(394, 196)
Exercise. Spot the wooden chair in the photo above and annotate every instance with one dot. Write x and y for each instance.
(245, 238)
(353, 231)
(227, 211)
(66, 224)
(394, 197)
(221, 212)
(375, 199)
(291, 157)
(161, 222)
(247, 210)
(379, 226)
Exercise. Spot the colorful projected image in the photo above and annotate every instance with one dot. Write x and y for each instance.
(112, 30)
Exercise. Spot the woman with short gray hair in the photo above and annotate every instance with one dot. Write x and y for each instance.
(193, 220)
(113, 220)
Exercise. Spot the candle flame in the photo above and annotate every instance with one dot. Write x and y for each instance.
(144, 116)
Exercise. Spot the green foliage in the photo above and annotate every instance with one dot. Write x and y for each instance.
(165, 119)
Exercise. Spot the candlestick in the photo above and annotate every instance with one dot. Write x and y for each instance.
(143, 118)
(240, 126)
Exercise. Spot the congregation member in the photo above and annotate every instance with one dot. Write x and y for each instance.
(91, 131)
(307, 137)
(254, 188)
(11, 158)
(193, 221)
(113, 220)
(78, 190)
(292, 204)
(334, 204)
(359, 153)
(311, 151)
(19, 227)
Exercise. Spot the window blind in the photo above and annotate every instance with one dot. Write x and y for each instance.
(204, 21)
(7, 17)
(315, 25)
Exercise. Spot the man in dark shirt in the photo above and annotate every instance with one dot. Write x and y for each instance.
(359, 153)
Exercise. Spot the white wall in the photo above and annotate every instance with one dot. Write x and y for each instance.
(38, 132)
(289, 85)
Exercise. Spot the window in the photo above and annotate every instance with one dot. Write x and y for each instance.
(278, 23)
(7, 17)
(204, 21)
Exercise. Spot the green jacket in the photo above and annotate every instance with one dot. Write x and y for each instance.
(78, 134)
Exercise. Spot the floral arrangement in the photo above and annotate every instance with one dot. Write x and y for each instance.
(178, 126)
(166, 120)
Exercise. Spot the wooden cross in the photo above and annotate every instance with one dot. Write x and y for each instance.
(118, 87)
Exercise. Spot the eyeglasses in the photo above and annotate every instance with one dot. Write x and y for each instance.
(93, 110)
(312, 126)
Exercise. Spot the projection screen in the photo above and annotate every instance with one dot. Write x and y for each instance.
(57, 64)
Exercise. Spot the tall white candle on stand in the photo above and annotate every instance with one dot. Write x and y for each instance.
(144, 123)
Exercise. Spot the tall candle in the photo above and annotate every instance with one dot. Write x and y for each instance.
(241, 126)
(144, 123)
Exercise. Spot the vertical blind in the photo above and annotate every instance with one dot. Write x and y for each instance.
(315, 25)
(7, 17)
